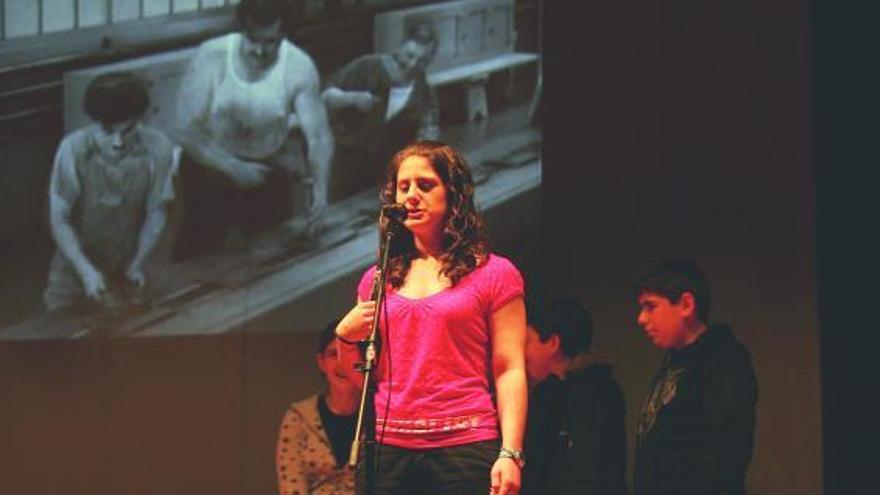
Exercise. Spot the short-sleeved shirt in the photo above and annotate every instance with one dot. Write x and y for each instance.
(435, 376)
(395, 122)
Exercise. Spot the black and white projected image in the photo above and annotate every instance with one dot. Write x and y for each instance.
(192, 169)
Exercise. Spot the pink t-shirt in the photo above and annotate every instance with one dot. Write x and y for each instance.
(436, 367)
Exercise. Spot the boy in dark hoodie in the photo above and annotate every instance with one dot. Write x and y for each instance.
(696, 427)
(575, 435)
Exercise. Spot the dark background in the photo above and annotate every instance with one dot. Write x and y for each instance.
(845, 113)
(685, 132)
(741, 134)
(682, 129)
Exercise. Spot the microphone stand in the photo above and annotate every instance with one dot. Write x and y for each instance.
(366, 410)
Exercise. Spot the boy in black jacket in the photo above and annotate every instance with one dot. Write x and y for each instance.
(696, 427)
(575, 436)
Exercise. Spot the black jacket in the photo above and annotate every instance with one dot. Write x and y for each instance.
(576, 435)
(696, 428)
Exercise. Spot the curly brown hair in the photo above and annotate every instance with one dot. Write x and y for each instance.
(465, 246)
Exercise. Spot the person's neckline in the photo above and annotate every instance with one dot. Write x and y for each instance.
(443, 290)
(324, 400)
(421, 298)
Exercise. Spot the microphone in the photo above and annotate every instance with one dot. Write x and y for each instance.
(394, 211)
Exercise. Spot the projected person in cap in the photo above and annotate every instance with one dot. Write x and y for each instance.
(378, 104)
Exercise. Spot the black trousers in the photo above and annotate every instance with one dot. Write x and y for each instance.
(459, 470)
(212, 204)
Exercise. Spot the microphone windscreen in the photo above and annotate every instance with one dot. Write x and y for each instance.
(395, 211)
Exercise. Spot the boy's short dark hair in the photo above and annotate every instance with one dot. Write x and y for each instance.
(116, 97)
(568, 319)
(671, 279)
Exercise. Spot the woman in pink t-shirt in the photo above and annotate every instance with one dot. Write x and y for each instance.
(451, 386)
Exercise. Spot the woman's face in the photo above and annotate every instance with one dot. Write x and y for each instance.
(422, 192)
(260, 44)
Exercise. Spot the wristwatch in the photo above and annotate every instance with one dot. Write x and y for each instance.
(516, 455)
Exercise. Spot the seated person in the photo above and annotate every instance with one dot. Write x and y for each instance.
(576, 435)
(243, 103)
(380, 103)
(107, 197)
(315, 438)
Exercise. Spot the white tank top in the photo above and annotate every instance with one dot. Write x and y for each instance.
(249, 118)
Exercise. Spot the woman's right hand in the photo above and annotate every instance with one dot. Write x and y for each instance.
(248, 174)
(358, 323)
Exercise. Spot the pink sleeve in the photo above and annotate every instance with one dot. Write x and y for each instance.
(365, 286)
(503, 282)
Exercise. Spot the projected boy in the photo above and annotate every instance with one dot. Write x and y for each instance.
(107, 194)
